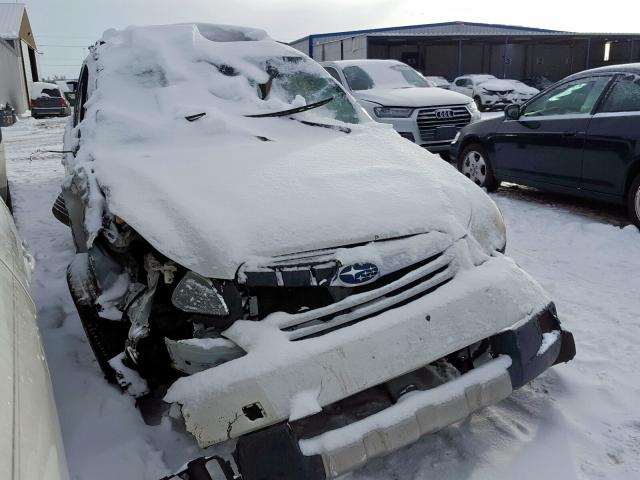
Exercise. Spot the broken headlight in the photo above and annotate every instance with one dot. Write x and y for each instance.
(197, 294)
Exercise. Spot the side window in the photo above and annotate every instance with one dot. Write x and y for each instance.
(624, 96)
(78, 114)
(334, 73)
(357, 78)
(576, 97)
(461, 82)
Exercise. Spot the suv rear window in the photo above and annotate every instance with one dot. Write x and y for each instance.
(624, 96)
(52, 92)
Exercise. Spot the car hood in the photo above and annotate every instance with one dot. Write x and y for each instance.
(213, 207)
(498, 85)
(412, 97)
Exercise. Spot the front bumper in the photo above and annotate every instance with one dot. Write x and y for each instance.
(519, 354)
(260, 388)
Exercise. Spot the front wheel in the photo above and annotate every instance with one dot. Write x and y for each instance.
(474, 164)
(633, 201)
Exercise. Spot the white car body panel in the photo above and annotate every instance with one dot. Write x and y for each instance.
(30, 444)
(3, 175)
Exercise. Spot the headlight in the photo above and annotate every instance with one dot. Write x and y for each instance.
(197, 294)
(475, 113)
(486, 223)
(393, 112)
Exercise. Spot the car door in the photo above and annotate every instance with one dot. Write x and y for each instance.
(463, 85)
(544, 146)
(612, 143)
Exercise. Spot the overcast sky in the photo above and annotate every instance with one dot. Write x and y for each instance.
(62, 27)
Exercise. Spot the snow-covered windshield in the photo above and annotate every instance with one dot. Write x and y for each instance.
(383, 75)
(297, 81)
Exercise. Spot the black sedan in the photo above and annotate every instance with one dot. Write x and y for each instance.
(581, 137)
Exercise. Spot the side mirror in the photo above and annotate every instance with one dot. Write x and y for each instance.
(512, 112)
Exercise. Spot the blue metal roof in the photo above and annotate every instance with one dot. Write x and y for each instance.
(459, 26)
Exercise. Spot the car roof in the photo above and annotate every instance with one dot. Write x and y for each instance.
(362, 62)
(624, 68)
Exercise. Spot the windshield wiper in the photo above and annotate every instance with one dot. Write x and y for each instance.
(291, 111)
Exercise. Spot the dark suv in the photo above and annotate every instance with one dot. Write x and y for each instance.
(581, 136)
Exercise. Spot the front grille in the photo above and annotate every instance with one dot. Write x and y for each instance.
(430, 121)
(389, 292)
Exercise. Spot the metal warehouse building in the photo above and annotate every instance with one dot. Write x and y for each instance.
(457, 48)
(18, 59)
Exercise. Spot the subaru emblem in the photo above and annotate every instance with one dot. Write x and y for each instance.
(359, 273)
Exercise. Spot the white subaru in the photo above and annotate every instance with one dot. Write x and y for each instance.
(259, 254)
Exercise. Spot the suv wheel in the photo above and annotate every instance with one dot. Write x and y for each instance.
(633, 201)
(474, 164)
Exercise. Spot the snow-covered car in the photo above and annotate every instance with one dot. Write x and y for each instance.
(48, 101)
(538, 81)
(439, 81)
(4, 182)
(522, 92)
(394, 93)
(30, 443)
(253, 249)
(488, 92)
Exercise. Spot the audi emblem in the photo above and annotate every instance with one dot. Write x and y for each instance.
(444, 113)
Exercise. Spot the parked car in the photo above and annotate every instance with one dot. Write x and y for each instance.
(522, 92)
(4, 182)
(394, 93)
(538, 81)
(487, 91)
(581, 137)
(439, 81)
(47, 101)
(68, 89)
(287, 270)
(31, 445)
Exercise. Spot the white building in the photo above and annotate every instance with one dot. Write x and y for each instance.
(18, 58)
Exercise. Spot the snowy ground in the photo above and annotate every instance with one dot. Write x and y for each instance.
(577, 421)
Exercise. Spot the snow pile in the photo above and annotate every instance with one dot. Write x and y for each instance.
(228, 187)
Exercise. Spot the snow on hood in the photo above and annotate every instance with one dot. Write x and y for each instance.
(523, 88)
(497, 85)
(214, 193)
(412, 97)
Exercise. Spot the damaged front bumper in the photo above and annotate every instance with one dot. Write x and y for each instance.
(519, 354)
(281, 379)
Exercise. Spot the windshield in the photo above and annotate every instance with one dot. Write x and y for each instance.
(383, 75)
(299, 82)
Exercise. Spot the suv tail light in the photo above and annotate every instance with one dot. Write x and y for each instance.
(62, 102)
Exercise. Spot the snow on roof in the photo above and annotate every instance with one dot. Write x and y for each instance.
(10, 19)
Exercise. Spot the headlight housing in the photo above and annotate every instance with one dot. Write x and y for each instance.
(475, 113)
(393, 112)
(197, 294)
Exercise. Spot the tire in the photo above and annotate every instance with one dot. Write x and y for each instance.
(474, 164)
(633, 201)
(478, 101)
